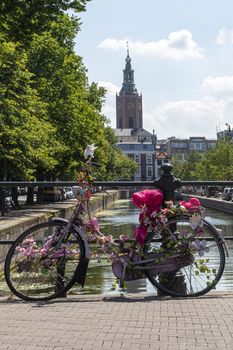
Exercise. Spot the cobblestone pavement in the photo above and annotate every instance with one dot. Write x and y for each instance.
(139, 321)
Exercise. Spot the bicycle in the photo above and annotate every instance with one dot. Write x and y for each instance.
(180, 253)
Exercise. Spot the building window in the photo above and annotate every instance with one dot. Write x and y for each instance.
(197, 146)
(131, 146)
(159, 162)
(145, 146)
(178, 145)
(130, 156)
(149, 158)
(138, 173)
(137, 158)
(149, 171)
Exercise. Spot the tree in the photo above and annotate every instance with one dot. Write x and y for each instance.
(187, 170)
(50, 111)
(217, 163)
(21, 19)
(25, 133)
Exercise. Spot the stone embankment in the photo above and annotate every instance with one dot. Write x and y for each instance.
(213, 203)
(15, 222)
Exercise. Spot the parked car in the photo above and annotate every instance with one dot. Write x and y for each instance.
(52, 194)
(68, 193)
(22, 190)
(227, 193)
(213, 191)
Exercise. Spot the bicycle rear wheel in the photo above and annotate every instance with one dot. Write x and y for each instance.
(199, 259)
(40, 264)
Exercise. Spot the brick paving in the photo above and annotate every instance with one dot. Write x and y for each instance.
(135, 321)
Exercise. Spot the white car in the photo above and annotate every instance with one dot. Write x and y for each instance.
(68, 193)
(227, 193)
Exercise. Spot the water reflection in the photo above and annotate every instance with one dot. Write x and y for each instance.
(122, 219)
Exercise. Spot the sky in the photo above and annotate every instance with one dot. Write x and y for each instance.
(182, 56)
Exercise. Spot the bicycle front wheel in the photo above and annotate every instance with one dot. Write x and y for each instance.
(189, 265)
(40, 264)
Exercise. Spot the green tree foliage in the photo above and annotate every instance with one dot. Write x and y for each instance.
(49, 111)
(217, 164)
(187, 170)
(25, 133)
(21, 19)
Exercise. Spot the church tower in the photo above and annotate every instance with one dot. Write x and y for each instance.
(128, 101)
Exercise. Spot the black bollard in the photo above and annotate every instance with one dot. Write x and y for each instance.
(168, 183)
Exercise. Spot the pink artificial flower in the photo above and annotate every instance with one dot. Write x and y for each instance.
(140, 234)
(191, 205)
(151, 199)
(169, 204)
(93, 224)
(195, 202)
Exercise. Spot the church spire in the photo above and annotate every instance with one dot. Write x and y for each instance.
(128, 86)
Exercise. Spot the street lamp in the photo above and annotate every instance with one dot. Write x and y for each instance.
(229, 127)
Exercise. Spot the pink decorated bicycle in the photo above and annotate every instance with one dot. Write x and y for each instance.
(180, 253)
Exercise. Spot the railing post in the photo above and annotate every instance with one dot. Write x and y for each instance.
(167, 182)
(2, 201)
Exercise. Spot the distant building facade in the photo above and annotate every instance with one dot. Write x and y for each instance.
(143, 146)
(225, 134)
(128, 101)
(181, 148)
(134, 141)
(139, 145)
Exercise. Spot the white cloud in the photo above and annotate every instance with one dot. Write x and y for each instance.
(225, 37)
(109, 107)
(110, 87)
(178, 46)
(186, 118)
(218, 85)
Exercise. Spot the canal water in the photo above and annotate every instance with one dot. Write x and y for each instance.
(122, 219)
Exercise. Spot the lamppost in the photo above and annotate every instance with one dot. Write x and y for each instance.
(154, 140)
(229, 131)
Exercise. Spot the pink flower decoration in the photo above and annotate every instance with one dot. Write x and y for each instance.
(151, 199)
(140, 234)
(195, 202)
(191, 205)
(93, 224)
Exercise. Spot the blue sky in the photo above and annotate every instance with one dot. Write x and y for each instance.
(182, 55)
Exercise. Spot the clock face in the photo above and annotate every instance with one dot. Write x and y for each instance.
(130, 105)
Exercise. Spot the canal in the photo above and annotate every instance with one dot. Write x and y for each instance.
(122, 219)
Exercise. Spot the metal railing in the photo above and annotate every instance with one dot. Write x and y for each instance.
(167, 183)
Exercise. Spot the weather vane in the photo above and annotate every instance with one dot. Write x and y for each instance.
(127, 45)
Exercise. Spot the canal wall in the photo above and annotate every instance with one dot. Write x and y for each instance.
(212, 203)
(15, 222)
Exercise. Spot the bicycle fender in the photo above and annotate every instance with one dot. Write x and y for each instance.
(60, 220)
(79, 232)
(81, 271)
